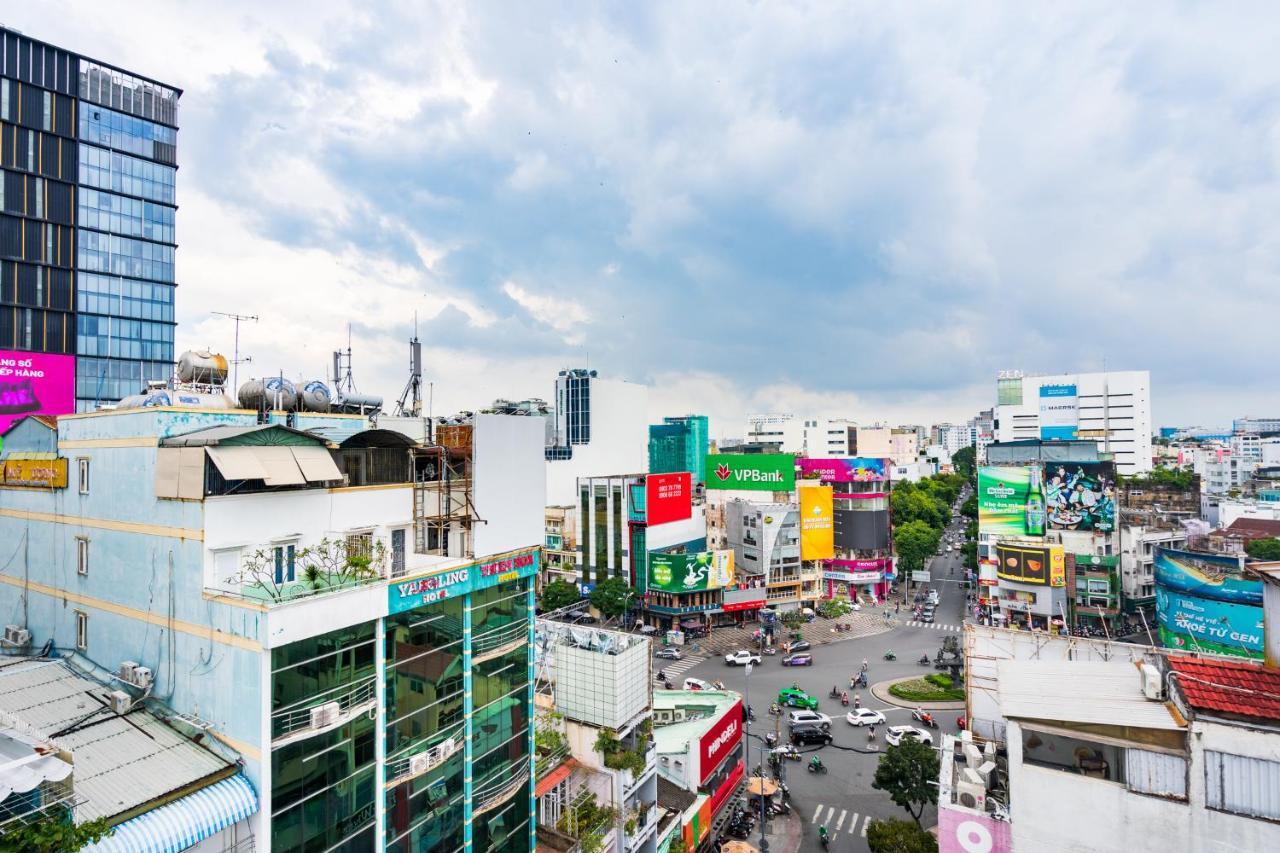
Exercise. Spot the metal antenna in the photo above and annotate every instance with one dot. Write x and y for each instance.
(410, 403)
(235, 359)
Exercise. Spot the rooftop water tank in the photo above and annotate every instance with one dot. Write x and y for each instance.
(202, 367)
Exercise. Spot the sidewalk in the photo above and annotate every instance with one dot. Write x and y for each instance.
(818, 632)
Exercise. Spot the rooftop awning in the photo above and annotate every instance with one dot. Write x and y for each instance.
(281, 466)
(184, 822)
(555, 777)
(23, 766)
(316, 464)
(237, 463)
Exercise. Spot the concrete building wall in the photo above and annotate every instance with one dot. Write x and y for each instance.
(509, 483)
(619, 440)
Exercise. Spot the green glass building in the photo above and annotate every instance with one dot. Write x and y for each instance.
(413, 731)
(679, 444)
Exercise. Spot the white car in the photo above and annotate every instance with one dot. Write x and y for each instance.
(805, 717)
(864, 717)
(896, 734)
(697, 684)
(742, 657)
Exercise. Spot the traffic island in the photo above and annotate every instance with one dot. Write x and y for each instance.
(929, 694)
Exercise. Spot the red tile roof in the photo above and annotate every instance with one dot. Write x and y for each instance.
(1254, 528)
(1238, 689)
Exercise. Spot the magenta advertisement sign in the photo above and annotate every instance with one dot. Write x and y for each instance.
(859, 469)
(857, 565)
(971, 832)
(35, 383)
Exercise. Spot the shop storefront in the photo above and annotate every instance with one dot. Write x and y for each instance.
(854, 579)
(738, 614)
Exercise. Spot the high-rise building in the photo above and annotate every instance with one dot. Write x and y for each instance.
(1112, 408)
(679, 444)
(87, 240)
(598, 427)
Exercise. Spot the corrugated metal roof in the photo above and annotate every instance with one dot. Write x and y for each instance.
(1079, 692)
(121, 763)
(212, 436)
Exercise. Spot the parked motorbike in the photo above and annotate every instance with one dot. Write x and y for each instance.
(787, 751)
(924, 660)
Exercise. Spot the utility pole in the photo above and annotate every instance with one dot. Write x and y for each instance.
(235, 359)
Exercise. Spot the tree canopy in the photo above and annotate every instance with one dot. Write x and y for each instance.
(899, 836)
(1161, 478)
(611, 597)
(557, 594)
(914, 542)
(964, 460)
(1263, 549)
(908, 773)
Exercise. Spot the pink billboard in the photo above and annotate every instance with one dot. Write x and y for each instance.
(35, 383)
(859, 469)
(971, 832)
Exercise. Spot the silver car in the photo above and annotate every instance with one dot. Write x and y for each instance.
(806, 717)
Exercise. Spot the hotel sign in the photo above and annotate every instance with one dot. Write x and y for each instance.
(425, 589)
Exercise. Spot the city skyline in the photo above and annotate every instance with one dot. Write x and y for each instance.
(894, 172)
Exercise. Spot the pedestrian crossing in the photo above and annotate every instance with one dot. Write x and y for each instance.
(937, 626)
(835, 820)
(676, 668)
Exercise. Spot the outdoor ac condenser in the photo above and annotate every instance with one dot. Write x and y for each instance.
(324, 715)
(1152, 687)
(972, 796)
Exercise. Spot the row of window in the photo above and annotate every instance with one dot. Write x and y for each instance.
(35, 108)
(35, 286)
(33, 151)
(117, 337)
(122, 91)
(102, 126)
(43, 242)
(125, 256)
(124, 297)
(99, 379)
(111, 170)
(36, 330)
(128, 216)
(41, 64)
(35, 197)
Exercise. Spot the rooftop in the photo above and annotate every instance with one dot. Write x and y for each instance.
(1092, 692)
(1226, 687)
(124, 763)
(676, 737)
(1254, 528)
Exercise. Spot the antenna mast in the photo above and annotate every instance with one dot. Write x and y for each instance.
(412, 393)
(343, 381)
(236, 360)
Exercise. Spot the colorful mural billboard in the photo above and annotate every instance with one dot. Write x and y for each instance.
(1042, 564)
(817, 528)
(761, 472)
(668, 497)
(859, 469)
(1204, 602)
(1080, 495)
(35, 383)
(690, 572)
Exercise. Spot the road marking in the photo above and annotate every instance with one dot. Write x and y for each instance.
(816, 813)
(840, 822)
(865, 824)
(853, 824)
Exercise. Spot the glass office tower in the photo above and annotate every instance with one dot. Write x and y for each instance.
(87, 239)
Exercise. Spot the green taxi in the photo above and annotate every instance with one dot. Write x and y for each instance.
(793, 697)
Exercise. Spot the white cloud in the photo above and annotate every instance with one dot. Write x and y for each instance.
(563, 315)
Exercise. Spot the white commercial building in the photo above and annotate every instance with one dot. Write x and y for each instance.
(600, 428)
(1113, 408)
(819, 438)
(1137, 559)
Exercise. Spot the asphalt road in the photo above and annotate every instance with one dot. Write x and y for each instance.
(843, 798)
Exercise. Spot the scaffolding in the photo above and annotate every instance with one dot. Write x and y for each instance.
(442, 500)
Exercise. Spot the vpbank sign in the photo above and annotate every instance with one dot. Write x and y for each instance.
(765, 472)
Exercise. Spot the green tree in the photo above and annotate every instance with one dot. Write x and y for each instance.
(557, 594)
(910, 502)
(611, 597)
(914, 542)
(908, 773)
(54, 833)
(969, 509)
(964, 460)
(899, 836)
(1263, 549)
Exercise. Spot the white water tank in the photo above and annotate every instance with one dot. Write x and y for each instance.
(202, 367)
(314, 396)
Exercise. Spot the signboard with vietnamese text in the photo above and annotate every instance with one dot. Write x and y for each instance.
(852, 577)
(668, 497)
(858, 469)
(413, 592)
(817, 528)
(695, 572)
(34, 473)
(35, 383)
(761, 472)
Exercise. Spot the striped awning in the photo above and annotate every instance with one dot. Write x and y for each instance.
(185, 822)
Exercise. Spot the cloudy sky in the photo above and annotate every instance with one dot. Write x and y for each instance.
(830, 209)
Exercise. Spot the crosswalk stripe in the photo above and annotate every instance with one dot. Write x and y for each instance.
(816, 813)
(865, 824)
(840, 822)
(853, 824)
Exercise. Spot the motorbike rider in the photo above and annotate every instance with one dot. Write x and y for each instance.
(844, 698)
(835, 691)
(815, 762)
(822, 835)
(857, 701)
(864, 665)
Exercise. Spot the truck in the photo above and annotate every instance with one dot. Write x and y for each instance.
(742, 657)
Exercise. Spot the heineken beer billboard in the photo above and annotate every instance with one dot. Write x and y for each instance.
(1010, 501)
(761, 472)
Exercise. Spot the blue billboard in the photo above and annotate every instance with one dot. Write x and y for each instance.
(1205, 603)
(1215, 576)
(1059, 412)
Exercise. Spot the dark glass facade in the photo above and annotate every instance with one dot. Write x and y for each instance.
(88, 155)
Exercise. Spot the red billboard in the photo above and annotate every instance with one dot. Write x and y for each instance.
(668, 497)
(719, 741)
(35, 383)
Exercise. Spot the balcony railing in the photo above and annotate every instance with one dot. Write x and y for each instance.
(546, 762)
(323, 713)
(423, 761)
(500, 790)
(498, 641)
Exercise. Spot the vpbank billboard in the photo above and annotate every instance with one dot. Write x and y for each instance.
(762, 472)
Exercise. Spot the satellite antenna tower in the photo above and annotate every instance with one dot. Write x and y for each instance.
(236, 360)
(410, 404)
(343, 381)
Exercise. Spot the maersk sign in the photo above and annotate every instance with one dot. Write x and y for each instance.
(764, 472)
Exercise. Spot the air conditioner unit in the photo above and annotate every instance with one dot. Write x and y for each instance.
(325, 715)
(1152, 686)
(966, 736)
(120, 701)
(419, 764)
(142, 677)
(970, 776)
(15, 635)
(971, 796)
(126, 670)
(986, 771)
(972, 755)
(989, 751)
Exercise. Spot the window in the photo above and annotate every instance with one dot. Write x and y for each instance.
(83, 466)
(397, 552)
(82, 555)
(82, 630)
(285, 566)
(1241, 784)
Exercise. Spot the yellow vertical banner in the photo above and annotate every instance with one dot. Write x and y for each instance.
(1057, 566)
(817, 530)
